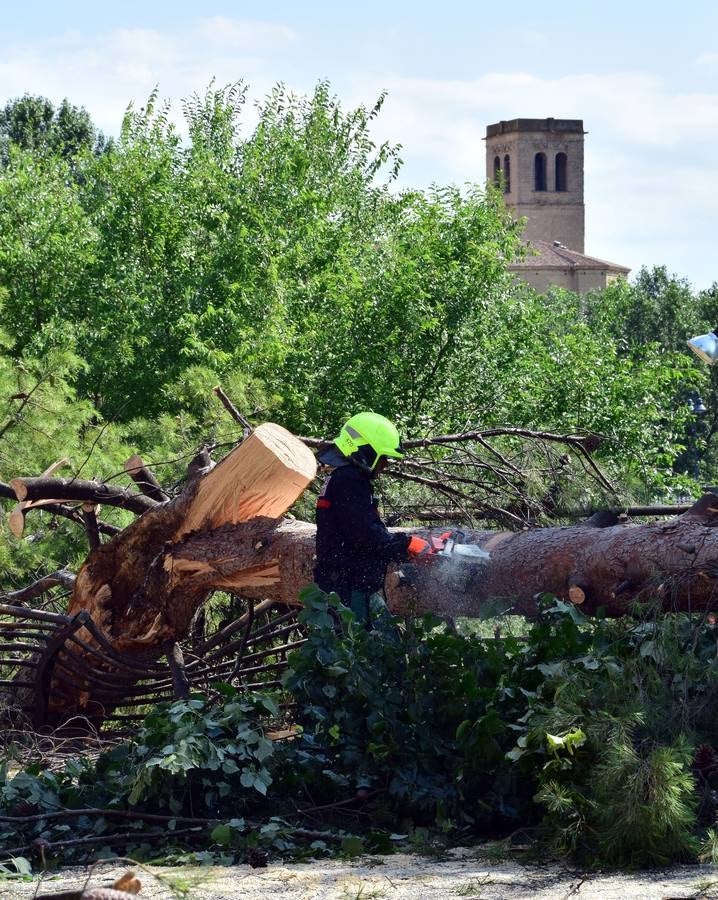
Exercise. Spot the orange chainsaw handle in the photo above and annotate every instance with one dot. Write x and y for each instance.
(419, 548)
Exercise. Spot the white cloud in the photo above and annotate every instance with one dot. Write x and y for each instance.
(632, 107)
(244, 34)
(708, 61)
(104, 72)
(651, 175)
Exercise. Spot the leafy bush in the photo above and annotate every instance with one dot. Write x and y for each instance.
(583, 730)
(211, 745)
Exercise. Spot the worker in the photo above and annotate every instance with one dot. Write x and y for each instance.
(354, 546)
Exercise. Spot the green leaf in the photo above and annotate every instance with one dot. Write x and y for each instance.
(221, 834)
(463, 728)
(551, 670)
(352, 846)
(20, 864)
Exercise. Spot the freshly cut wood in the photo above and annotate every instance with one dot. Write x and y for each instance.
(144, 479)
(125, 583)
(261, 477)
(140, 599)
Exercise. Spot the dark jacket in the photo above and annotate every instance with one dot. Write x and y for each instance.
(354, 546)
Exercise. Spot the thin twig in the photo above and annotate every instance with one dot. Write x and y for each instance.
(233, 411)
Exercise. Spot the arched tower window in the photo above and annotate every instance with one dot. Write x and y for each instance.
(561, 177)
(540, 172)
(497, 171)
(507, 174)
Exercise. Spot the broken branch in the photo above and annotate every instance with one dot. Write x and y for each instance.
(84, 491)
(233, 411)
(145, 479)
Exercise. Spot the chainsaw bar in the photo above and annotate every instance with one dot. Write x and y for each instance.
(468, 552)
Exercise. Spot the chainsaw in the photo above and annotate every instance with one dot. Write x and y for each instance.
(453, 562)
(447, 545)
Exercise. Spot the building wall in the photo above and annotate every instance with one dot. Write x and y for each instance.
(551, 215)
(547, 221)
(542, 279)
(593, 279)
(578, 281)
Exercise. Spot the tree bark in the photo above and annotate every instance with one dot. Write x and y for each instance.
(673, 563)
(37, 489)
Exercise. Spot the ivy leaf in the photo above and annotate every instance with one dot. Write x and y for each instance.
(462, 729)
(264, 749)
(222, 835)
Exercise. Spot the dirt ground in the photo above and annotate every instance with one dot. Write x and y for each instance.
(462, 873)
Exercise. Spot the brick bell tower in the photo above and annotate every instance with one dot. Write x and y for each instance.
(539, 165)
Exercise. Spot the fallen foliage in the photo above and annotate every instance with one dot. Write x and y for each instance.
(593, 738)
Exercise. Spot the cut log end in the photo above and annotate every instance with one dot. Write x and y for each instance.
(134, 464)
(16, 521)
(263, 476)
(20, 488)
(576, 595)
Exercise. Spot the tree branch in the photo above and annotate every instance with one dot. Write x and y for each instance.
(586, 441)
(89, 517)
(41, 586)
(25, 396)
(145, 479)
(83, 491)
(65, 512)
(233, 411)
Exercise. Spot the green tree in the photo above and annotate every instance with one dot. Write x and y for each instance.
(46, 246)
(656, 315)
(282, 259)
(34, 123)
(657, 308)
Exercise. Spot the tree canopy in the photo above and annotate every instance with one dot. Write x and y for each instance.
(281, 259)
(35, 124)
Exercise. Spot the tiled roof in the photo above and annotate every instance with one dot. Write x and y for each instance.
(553, 255)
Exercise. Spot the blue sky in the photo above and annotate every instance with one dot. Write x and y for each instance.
(643, 77)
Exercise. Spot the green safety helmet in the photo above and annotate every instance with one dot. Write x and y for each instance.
(369, 429)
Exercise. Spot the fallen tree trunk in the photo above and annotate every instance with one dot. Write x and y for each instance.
(143, 587)
(595, 564)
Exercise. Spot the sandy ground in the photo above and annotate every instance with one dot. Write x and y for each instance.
(400, 877)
